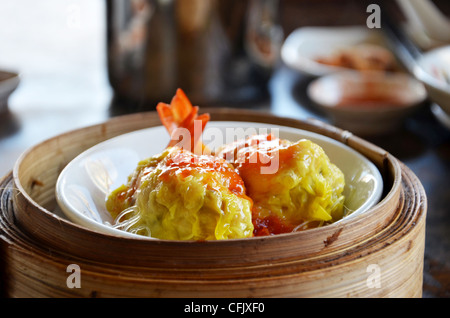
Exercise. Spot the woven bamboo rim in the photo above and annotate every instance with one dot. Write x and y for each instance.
(329, 261)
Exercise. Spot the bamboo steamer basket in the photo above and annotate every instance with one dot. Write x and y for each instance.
(338, 260)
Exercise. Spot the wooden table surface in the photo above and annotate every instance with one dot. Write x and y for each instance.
(64, 86)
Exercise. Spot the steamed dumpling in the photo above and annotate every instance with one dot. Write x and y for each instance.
(178, 195)
(292, 184)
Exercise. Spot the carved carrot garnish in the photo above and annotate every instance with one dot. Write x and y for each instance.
(183, 123)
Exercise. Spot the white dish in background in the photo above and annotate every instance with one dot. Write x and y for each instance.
(433, 69)
(367, 103)
(304, 45)
(84, 184)
(8, 83)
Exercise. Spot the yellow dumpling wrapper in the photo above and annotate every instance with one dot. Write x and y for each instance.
(293, 181)
(178, 195)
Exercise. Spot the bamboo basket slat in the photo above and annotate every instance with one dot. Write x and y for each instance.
(38, 244)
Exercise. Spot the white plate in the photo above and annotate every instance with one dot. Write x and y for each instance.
(433, 69)
(304, 45)
(84, 184)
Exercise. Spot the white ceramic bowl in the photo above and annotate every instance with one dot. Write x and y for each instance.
(84, 184)
(369, 103)
(304, 45)
(433, 69)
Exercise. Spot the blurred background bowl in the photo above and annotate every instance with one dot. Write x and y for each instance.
(433, 69)
(319, 51)
(8, 83)
(367, 103)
